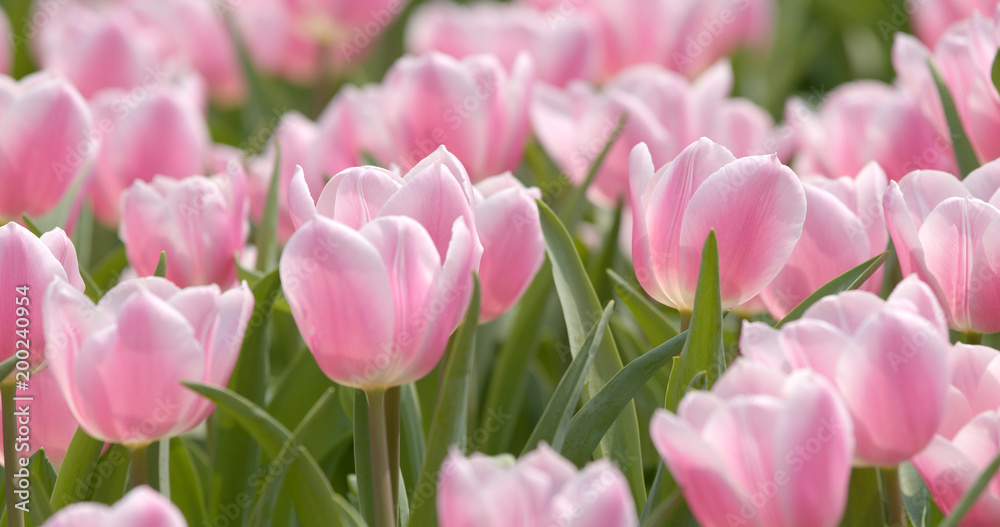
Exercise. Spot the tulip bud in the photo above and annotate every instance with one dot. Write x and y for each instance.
(141, 506)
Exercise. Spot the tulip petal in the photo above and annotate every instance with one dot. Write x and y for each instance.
(356, 195)
(918, 298)
(62, 248)
(846, 311)
(301, 206)
(903, 231)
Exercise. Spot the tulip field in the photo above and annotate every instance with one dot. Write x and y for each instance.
(500, 263)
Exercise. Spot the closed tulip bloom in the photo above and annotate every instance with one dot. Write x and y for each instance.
(513, 245)
(933, 17)
(376, 305)
(349, 127)
(932, 217)
(762, 448)
(201, 223)
(888, 360)
(45, 142)
(161, 134)
(141, 506)
(52, 422)
(120, 363)
(755, 204)
(32, 263)
(561, 52)
(274, 42)
(540, 489)
(950, 468)
(844, 227)
(473, 106)
(975, 386)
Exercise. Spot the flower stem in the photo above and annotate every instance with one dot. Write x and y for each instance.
(385, 510)
(895, 516)
(973, 338)
(15, 518)
(140, 464)
(685, 319)
(393, 398)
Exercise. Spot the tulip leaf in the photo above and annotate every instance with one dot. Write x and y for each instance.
(31, 225)
(602, 260)
(316, 502)
(864, 502)
(653, 323)
(917, 498)
(111, 475)
(964, 154)
(590, 424)
(242, 273)
(161, 265)
(267, 230)
(41, 477)
(73, 483)
(849, 280)
(572, 209)
(107, 271)
(580, 306)
(7, 366)
(449, 424)
(413, 446)
(506, 391)
(186, 490)
(661, 514)
(551, 426)
(969, 498)
(233, 452)
(995, 72)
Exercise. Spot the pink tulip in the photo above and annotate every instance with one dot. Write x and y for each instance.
(975, 386)
(964, 55)
(931, 18)
(561, 52)
(513, 245)
(270, 31)
(665, 111)
(755, 205)
(950, 467)
(31, 263)
(540, 489)
(349, 126)
(201, 223)
(761, 448)
(474, 107)
(141, 506)
(295, 136)
(120, 363)
(888, 359)
(376, 305)
(135, 44)
(6, 39)
(844, 227)
(161, 133)
(865, 121)
(945, 232)
(45, 132)
(52, 424)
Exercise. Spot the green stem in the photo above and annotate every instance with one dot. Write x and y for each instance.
(163, 468)
(381, 477)
(892, 496)
(15, 518)
(973, 338)
(140, 464)
(393, 400)
(685, 319)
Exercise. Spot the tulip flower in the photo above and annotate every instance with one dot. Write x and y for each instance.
(866, 121)
(473, 106)
(946, 231)
(295, 136)
(931, 18)
(888, 360)
(540, 489)
(120, 363)
(755, 205)
(201, 223)
(52, 423)
(964, 56)
(844, 227)
(160, 134)
(30, 264)
(663, 109)
(6, 53)
(513, 245)
(274, 43)
(141, 506)
(975, 386)
(561, 52)
(950, 467)
(45, 132)
(761, 448)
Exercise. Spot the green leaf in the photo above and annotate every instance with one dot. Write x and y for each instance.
(161, 265)
(41, 476)
(449, 424)
(413, 447)
(362, 458)
(971, 495)
(551, 426)
(572, 209)
(703, 351)
(966, 156)
(594, 419)
(186, 489)
(663, 512)
(850, 280)
(917, 498)
(864, 502)
(995, 72)
(242, 273)
(580, 306)
(315, 501)
(111, 475)
(604, 260)
(31, 225)
(267, 231)
(107, 271)
(653, 323)
(234, 452)
(73, 483)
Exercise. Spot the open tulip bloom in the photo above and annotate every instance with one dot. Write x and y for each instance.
(550, 263)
